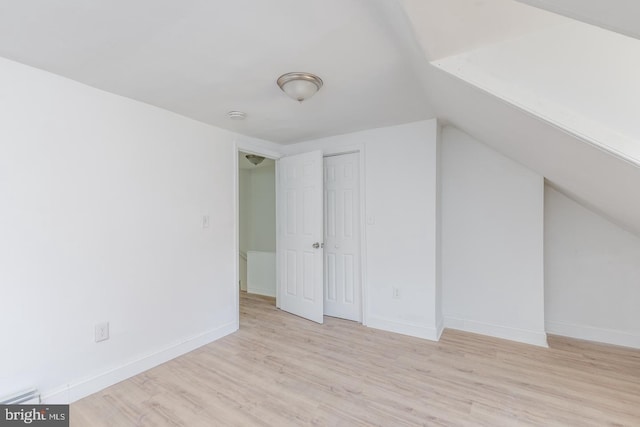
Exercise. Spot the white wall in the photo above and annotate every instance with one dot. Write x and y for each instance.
(592, 274)
(492, 242)
(257, 204)
(257, 189)
(102, 202)
(261, 273)
(262, 236)
(401, 185)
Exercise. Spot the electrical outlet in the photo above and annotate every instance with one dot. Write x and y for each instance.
(396, 293)
(205, 221)
(102, 331)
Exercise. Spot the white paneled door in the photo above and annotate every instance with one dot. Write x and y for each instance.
(342, 293)
(300, 252)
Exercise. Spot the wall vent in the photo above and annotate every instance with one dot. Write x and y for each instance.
(25, 397)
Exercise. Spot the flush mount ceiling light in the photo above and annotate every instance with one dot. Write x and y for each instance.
(256, 160)
(237, 115)
(299, 86)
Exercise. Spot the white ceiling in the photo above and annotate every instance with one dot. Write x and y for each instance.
(202, 58)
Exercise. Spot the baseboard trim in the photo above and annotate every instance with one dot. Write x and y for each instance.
(403, 328)
(505, 332)
(74, 391)
(262, 291)
(591, 333)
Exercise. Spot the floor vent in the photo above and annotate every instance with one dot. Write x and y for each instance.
(25, 397)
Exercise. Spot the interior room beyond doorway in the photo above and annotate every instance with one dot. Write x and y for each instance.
(257, 219)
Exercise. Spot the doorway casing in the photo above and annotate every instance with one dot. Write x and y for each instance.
(251, 148)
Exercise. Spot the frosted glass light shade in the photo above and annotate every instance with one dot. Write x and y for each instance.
(300, 89)
(299, 86)
(254, 159)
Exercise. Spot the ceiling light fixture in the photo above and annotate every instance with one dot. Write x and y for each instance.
(254, 159)
(299, 86)
(237, 115)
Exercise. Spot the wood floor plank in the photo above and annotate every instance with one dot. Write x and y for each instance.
(281, 370)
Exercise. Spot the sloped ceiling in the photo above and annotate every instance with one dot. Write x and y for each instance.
(616, 15)
(446, 28)
(585, 172)
(559, 96)
(577, 76)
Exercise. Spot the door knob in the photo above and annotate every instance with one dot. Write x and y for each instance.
(317, 245)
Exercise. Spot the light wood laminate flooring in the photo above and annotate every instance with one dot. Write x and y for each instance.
(281, 370)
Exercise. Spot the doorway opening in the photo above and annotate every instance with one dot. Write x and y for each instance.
(257, 225)
(301, 233)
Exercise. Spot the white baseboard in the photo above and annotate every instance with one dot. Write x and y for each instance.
(75, 391)
(262, 291)
(505, 332)
(591, 333)
(403, 328)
